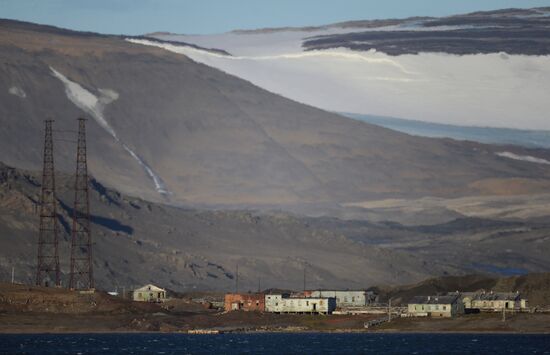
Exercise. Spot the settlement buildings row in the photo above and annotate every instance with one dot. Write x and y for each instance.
(327, 301)
(308, 302)
(456, 303)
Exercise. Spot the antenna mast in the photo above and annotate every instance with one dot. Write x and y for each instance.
(47, 269)
(81, 241)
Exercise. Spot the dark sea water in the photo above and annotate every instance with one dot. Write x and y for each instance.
(279, 343)
(491, 135)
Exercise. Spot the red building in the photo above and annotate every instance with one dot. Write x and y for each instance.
(245, 302)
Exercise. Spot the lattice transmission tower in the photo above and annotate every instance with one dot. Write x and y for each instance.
(47, 266)
(81, 276)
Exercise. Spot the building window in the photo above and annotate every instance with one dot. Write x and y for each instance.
(444, 308)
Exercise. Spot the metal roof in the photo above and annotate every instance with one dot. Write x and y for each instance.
(493, 296)
(449, 299)
(149, 287)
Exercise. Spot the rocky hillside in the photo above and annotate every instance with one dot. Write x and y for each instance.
(138, 242)
(165, 128)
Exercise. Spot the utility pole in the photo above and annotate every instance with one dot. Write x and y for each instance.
(503, 314)
(389, 310)
(47, 265)
(237, 279)
(81, 241)
(12, 274)
(259, 284)
(305, 264)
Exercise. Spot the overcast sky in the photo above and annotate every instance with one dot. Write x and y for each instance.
(215, 16)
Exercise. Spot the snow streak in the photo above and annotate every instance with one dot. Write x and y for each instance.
(527, 158)
(94, 106)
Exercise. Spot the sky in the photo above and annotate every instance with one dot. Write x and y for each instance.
(134, 17)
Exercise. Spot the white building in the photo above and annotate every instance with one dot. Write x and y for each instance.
(283, 303)
(436, 306)
(494, 301)
(149, 293)
(347, 298)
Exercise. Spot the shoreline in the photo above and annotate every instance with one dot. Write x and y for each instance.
(222, 332)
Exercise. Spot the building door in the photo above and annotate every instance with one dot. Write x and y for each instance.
(314, 306)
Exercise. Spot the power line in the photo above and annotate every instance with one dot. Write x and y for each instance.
(64, 131)
(237, 280)
(65, 140)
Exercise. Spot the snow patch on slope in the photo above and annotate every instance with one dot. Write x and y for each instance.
(17, 91)
(86, 101)
(94, 106)
(527, 158)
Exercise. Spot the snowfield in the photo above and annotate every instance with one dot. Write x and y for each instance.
(497, 90)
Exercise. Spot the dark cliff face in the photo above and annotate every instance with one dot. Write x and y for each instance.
(215, 139)
(513, 31)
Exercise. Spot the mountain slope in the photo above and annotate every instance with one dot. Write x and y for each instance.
(166, 128)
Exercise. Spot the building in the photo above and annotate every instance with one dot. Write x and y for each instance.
(244, 302)
(493, 301)
(284, 303)
(149, 293)
(348, 298)
(436, 306)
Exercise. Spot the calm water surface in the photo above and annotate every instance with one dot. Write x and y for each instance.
(309, 343)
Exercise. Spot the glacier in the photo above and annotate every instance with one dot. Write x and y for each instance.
(493, 90)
